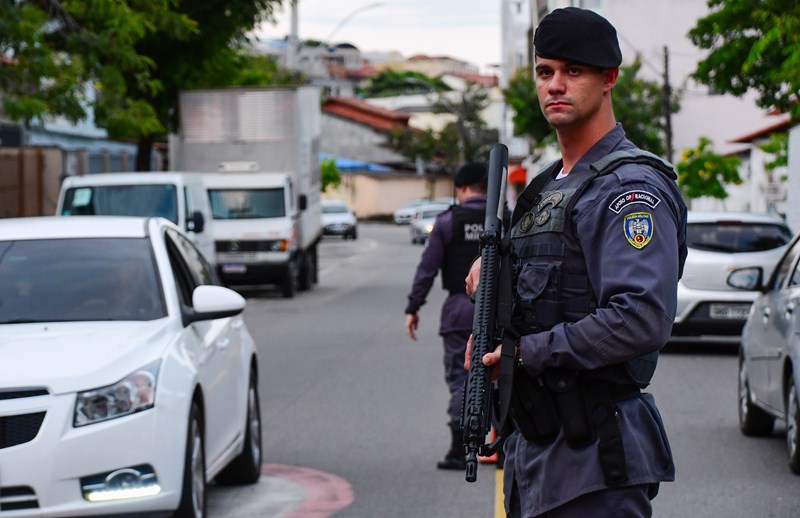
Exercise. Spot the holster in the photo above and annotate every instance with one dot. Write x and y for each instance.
(532, 410)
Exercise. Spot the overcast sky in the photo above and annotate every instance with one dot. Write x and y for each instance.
(464, 29)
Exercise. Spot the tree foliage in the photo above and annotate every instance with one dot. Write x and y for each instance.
(637, 105)
(753, 46)
(390, 82)
(330, 174)
(465, 139)
(778, 147)
(702, 172)
(126, 59)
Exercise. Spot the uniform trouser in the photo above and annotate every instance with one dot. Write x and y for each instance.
(455, 345)
(614, 502)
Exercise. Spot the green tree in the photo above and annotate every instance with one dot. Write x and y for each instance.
(778, 147)
(637, 105)
(702, 172)
(753, 46)
(475, 138)
(390, 82)
(331, 177)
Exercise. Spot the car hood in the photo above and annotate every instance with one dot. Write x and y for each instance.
(73, 356)
(709, 270)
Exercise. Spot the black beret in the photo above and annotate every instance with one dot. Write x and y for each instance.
(470, 174)
(578, 36)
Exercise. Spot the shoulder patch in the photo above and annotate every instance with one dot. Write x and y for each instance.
(632, 197)
(638, 228)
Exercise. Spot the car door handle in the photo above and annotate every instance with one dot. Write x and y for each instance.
(789, 309)
(766, 314)
(223, 343)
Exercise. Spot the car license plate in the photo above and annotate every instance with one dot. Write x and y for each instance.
(234, 268)
(729, 311)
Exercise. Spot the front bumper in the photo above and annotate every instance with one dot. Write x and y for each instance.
(252, 268)
(42, 476)
(695, 321)
(338, 229)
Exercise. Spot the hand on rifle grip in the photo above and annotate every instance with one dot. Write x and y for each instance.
(473, 277)
(489, 359)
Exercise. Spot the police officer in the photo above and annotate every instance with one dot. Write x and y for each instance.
(451, 247)
(597, 245)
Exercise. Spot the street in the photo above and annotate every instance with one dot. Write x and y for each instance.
(346, 394)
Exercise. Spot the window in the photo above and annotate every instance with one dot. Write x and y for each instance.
(122, 200)
(91, 279)
(247, 203)
(736, 237)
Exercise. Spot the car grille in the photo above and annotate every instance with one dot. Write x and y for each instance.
(18, 394)
(14, 498)
(19, 429)
(246, 246)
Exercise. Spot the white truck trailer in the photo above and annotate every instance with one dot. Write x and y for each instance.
(263, 146)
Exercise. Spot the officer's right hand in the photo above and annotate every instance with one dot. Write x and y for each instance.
(473, 277)
(490, 359)
(412, 321)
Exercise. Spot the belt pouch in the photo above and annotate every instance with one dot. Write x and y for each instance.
(571, 405)
(532, 409)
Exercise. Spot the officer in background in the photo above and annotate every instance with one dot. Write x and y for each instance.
(597, 247)
(451, 247)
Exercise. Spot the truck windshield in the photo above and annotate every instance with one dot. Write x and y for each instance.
(247, 203)
(122, 200)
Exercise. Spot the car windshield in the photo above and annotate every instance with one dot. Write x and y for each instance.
(334, 209)
(736, 237)
(247, 203)
(122, 200)
(67, 280)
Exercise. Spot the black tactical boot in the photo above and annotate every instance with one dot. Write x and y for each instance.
(455, 458)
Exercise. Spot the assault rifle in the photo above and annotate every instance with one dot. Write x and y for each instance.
(477, 410)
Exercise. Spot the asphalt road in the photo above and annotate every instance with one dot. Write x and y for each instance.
(346, 395)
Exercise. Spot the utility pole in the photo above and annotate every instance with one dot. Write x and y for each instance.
(667, 108)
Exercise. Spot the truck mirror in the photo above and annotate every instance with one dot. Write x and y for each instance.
(196, 222)
(302, 202)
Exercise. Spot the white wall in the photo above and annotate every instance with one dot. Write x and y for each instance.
(793, 199)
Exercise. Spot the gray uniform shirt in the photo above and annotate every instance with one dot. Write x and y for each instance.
(631, 230)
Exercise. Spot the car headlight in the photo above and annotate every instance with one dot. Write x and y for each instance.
(429, 228)
(132, 394)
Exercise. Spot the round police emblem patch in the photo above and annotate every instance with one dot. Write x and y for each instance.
(527, 222)
(638, 229)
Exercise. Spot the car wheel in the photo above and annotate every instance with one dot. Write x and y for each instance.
(753, 421)
(793, 427)
(246, 467)
(306, 271)
(354, 234)
(288, 285)
(193, 495)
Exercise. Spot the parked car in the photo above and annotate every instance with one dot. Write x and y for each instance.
(769, 358)
(422, 221)
(402, 216)
(128, 380)
(710, 310)
(338, 219)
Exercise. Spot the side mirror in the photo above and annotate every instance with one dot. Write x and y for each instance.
(749, 279)
(302, 202)
(212, 302)
(196, 222)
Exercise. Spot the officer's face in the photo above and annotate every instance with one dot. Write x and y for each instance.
(569, 93)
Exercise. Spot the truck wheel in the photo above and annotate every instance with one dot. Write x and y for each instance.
(315, 265)
(288, 285)
(306, 276)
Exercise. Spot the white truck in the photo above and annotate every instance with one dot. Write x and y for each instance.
(260, 150)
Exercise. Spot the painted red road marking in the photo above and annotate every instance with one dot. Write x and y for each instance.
(326, 493)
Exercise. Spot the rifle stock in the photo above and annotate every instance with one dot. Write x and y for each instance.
(477, 409)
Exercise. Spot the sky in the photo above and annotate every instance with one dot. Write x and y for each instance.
(468, 30)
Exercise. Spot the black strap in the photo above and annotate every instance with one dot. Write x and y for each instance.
(605, 416)
(526, 199)
(505, 301)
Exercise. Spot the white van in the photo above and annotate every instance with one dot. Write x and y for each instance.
(178, 197)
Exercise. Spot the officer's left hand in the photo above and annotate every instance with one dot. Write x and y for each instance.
(412, 321)
(489, 359)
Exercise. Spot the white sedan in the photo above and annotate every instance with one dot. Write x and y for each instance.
(128, 380)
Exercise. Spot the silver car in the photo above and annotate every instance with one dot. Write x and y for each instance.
(422, 221)
(769, 358)
(710, 310)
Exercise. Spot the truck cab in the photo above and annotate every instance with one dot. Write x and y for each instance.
(257, 230)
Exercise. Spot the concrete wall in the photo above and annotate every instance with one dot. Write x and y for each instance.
(347, 139)
(375, 195)
(793, 183)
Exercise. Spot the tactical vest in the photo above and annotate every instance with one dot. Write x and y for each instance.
(552, 282)
(463, 248)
